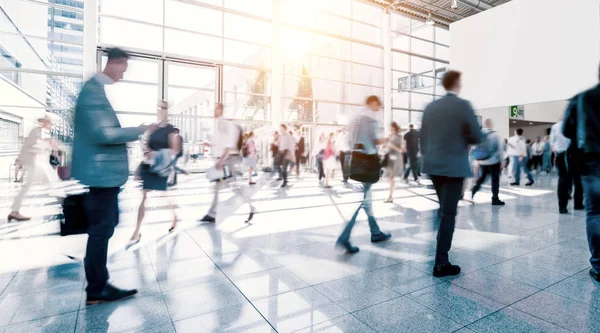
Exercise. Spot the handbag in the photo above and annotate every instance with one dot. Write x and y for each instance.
(364, 168)
(74, 221)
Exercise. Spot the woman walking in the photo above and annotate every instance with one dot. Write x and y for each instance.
(156, 142)
(250, 156)
(395, 161)
(318, 153)
(35, 159)
(329, 162)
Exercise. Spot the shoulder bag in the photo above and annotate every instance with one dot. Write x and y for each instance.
(364, 168)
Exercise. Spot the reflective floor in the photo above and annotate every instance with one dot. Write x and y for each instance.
(524, 266)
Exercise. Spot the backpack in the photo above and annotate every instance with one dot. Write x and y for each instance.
(485, 149)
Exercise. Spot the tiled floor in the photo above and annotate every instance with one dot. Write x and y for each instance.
(524, 266)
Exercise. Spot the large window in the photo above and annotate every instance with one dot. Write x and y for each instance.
(41, 65)
(420, 55)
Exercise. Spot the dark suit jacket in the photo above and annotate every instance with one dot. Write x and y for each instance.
(412, 142)
(584, 132)
(448, 127)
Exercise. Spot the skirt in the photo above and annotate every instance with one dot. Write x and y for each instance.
(395, 166)
(249, 161)
(152, 181)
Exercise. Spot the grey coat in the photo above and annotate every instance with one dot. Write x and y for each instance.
(448, 127)
(99, 147)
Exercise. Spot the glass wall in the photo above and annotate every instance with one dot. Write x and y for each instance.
(420, 55)
(41, 65)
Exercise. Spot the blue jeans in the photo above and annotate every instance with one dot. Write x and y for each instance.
(547, 162)
(367, 206)
(522, 165)
(591, 187)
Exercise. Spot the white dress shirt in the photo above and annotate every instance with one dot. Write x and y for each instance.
(516, 146)
(538, 148)
(341, 142)
(558, 141)
(226, 136)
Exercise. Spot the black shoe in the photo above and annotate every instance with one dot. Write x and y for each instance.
(347, 246)
(446, 270)
(498, 203)
(594, 273)
(208, 218)
(285, 184)
(514, 184)
(109, 294)
(380, 237)
(278, 179)
(473, 192)
(579, 207)
(530, 183)
(563, 211)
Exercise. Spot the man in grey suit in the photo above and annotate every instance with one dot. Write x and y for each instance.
(100, 162)
(449, 127)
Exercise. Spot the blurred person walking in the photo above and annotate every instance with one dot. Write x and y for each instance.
(560, 145)
(547, 155)
(538, 152)
(35, 159)
(300, 149)
(286, 153)
(226, 149)
(582, 126)
(177, 169)
(493, 148)
(341, 145)
(449, 127)
(100, 162)
(412, 152)
(364, 137)
(395, 160)
(250, 157)
(329, 161)
(161, 141)
(517, 151)
(318, 153)
(274, 151)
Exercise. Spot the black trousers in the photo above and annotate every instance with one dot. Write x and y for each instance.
(413, 161)
(494, 171)
(102, 211)
(449, 191)
(564, 180)
(320, 166)
(342, 157)
(574, 160)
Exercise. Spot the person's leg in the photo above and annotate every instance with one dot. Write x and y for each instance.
(320, 167)
(101, 207)
(212, 211)
(516, 169)
(575, 165)
(18, 200)
(527, 171)
(140, 217)
(285, 171)
(367, 206)
(485, 170)
(392, 181)
(342, 159)
(563, 182)
(591, 184)
(414, 166)
(451, 189)
(494, 170)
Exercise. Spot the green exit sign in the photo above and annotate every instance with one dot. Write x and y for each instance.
(517, 112)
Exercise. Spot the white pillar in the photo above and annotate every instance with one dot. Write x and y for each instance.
(90, 29)
(276, 67)
(386, 31)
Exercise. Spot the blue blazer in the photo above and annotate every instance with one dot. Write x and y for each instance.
(99, 147)
(449, 126)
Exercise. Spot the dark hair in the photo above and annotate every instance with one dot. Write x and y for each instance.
(284, 127)
(519, 131)
(395, 126)
(372, 99)
(116, 53)
(528, 141)
(450, 79)
(411, 126)
(176, 129)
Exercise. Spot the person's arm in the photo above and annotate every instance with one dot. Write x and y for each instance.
(569, 128)
(95, 116)
(424, 132)
(472, 128)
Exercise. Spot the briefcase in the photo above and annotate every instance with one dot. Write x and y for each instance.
(74, 221)
(365, 168)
